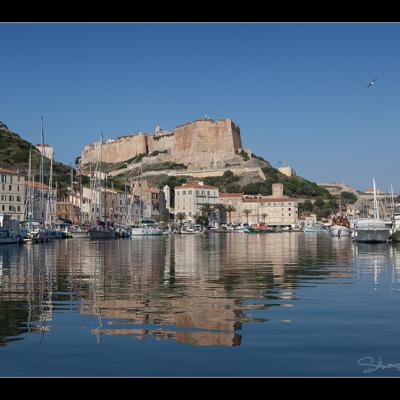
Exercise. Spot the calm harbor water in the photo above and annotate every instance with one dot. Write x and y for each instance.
(284, 304)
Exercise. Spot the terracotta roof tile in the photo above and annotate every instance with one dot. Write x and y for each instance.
(194, 185)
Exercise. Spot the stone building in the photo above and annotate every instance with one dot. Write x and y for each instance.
(12, 193)
(190, 197)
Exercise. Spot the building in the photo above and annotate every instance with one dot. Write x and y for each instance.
(153, 200)
(12, 193)
(46, 149)
(274, 210)
(287, 170)
(190, 197)
(236, 201)
(307, 219)
(41, 201)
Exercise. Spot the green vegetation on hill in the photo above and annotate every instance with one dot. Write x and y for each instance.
(14, 153)
(322, 208)
(348, 197)
(225, 183)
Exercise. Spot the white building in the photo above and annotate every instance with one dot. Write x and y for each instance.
(274, 210)
(190, 197)
(12, 193)
(46, 149)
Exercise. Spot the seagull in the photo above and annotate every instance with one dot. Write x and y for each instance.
(371, 83)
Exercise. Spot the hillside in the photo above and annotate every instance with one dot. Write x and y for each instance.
(14, 153)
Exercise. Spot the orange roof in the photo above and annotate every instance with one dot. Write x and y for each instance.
(152, 190)
(227, 195)
(194, 185)
(10, 171)
(36, 185)
(268, 200)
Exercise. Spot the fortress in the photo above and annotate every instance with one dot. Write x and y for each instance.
(203, 143)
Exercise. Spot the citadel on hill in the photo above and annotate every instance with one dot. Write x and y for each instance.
(203, 143)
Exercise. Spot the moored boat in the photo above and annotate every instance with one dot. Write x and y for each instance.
(372, 230)
(340, 226)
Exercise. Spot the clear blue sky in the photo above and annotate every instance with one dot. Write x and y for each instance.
(297, 91)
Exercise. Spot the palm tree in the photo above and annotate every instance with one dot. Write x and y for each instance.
(247, 212)
(230, 209)
(180, 216)
(206, 209)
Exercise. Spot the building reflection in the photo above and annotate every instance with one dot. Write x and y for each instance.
(197, 290)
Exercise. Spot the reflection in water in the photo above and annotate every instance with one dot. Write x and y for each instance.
(196, 290)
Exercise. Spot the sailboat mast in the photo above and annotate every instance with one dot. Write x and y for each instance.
(80, 193)
(376, 208)
(49, 197)
(141, 192)
(101, 162)
(72, 190)
(42, 172)
(29, 190)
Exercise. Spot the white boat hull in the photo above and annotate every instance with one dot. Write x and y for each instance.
(146, 232)
(79, 235)
(339, 230)
(371, 235)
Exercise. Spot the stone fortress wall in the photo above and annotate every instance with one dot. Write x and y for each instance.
(115, 150)
(203, 143)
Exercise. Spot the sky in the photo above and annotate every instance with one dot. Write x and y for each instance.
(298, 91)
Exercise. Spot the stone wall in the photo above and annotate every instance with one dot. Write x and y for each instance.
(206, 143)
(120, 149)
(160, 143)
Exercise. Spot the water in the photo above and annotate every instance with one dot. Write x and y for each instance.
(284, 304)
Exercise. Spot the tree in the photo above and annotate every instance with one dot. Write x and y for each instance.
(230, 209)
(201, 219)
(348, 197)
(263, 216)
(305, 206)
(247, 212)
(206, 209)
(180, 216)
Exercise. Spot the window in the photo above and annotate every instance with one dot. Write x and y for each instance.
(18, 198)
(189, 192)
(19, 208)
(11, 179)
(290, 209)
(10, 198)
(4, 187)
(10, 188)
(19, 178)
(3, 208)
(184, 193)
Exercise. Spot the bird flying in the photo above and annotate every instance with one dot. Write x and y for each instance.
(371, 83)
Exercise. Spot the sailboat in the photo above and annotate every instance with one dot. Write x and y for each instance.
(146, 227)
(371, 230)
(101, 230)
